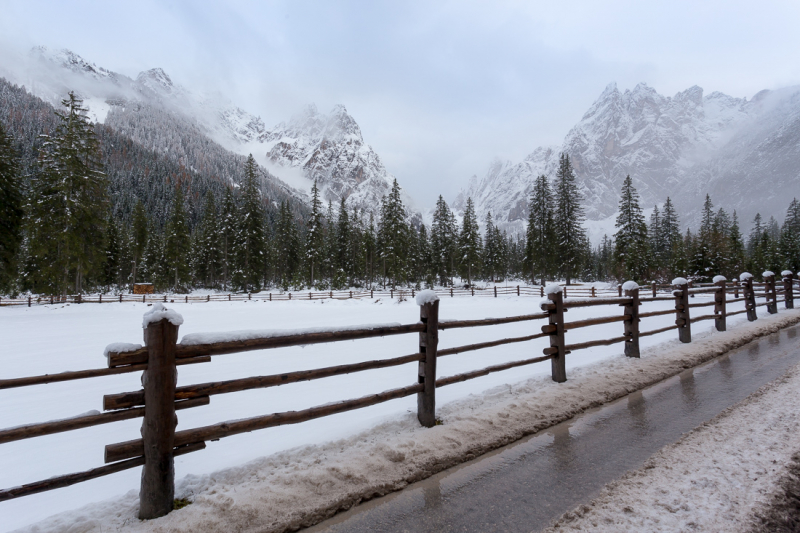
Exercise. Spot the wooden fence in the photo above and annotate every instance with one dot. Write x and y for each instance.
(162, 354)
(514, 290)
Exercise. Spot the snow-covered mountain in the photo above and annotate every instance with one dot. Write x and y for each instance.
(186, 125)
(681, 146)
(331, 150)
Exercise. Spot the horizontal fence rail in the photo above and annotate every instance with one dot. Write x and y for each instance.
(156, 403)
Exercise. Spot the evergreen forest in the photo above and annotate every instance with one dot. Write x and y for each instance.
(85, 208)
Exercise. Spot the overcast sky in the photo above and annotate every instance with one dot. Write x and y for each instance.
(438, 88)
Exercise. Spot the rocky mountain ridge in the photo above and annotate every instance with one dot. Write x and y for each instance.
(681, 146)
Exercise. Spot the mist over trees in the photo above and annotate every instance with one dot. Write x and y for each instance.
(85, 208)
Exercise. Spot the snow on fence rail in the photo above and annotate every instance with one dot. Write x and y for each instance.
(160, 441)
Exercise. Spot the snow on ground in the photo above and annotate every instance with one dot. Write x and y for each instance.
(297, 474)
(714, 479)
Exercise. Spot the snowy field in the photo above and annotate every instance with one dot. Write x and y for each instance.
(48, 339)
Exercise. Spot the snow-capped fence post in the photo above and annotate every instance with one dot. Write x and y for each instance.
(720, 309)
(555, 329)
(632, 324)
(428, 342)
(749, 295)
(157, 491)
(770, 292)
(682, 319)
(788, 286)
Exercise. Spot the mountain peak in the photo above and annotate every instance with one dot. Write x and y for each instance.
(156, 79)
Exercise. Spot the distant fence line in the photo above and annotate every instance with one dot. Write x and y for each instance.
(515, 290)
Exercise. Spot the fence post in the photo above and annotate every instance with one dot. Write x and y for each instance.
(682, 319)
(655, 287)
(371, 294)
(428, 343)
(79, 298)
(158, 428)
(720, 304)
(517, 290)
(557, 342)
(770, 293)
(593, 292)
(451, 291)
(619, 291)
(120, 298)
(100, 299)
(541, 291)
(391, 294)
(788, 286)
(749, 295)
(495, 292)
(632, 324)
(565, 291)
(29, 301)
(473, 290)
(736, 288)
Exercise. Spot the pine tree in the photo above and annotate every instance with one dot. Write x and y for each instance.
(671, 240)
(492, 250)
(656, 243)
(393, 236)
(315, 238)
(736, 250)
(227, 231)
(111, 267)
(139, 236)
(68, 205)
(344, 254)
(754, 238)
(250, 246)
(469, 242)
(176, 245)
(790, 237)
(425, 258)
(154, 268)
(630, 251)
(10, 210)
(444, 231)
(209, 252)
(568, 218)
(287, 247)
(541, 242)
(704, 265)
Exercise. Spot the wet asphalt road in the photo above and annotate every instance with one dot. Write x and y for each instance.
(524, 486)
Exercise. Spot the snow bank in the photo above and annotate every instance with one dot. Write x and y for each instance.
(768, 273)
(120, 347)
(717, 279)
(426, 297)
(159, 312)
(680, 281)
(553, 288)
(745, 276)
(787, 273)
(629, 286)
(714, 479)
(300, 487)
(250, 334)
